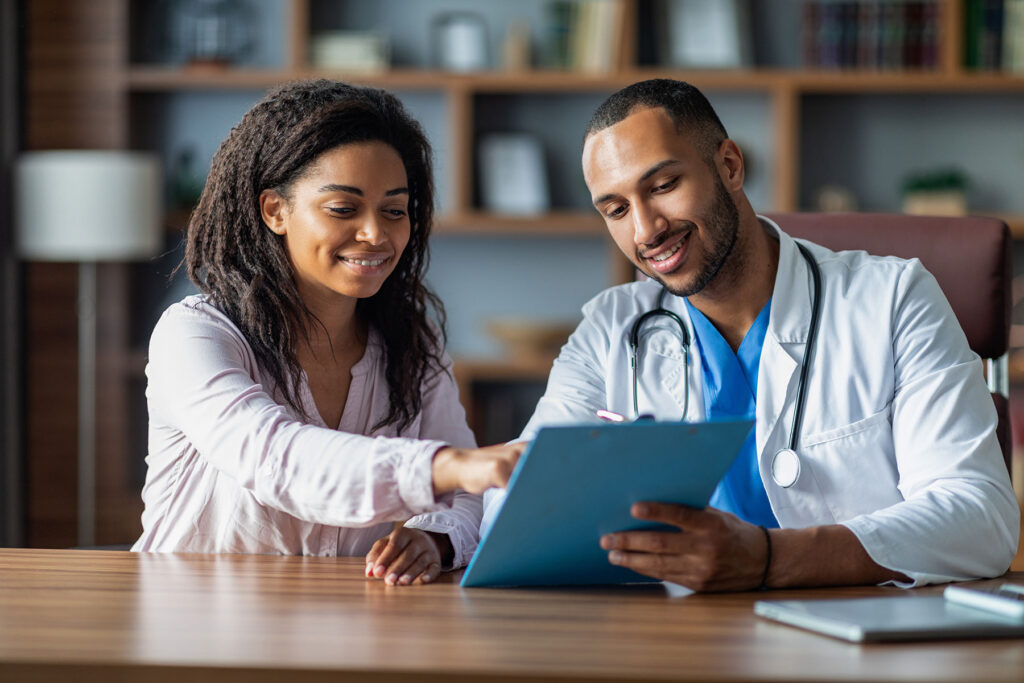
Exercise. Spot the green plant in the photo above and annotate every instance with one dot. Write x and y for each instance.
(935, 181)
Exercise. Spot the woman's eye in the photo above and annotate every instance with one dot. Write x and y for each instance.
(395, 213)
(341, 210)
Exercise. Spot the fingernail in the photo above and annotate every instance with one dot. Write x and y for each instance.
(369, 568)
(405, 580)
(639, 510)
(379, 570)
(615, 557)
(391, 579)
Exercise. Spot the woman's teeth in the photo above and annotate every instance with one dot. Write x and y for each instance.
(365, 262)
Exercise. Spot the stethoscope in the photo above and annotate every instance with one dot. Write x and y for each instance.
(785, 467)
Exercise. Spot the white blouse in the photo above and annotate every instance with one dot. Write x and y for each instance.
(232, 469)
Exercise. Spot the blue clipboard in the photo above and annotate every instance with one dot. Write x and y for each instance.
(574, 484)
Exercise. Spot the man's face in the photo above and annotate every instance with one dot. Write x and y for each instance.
(665, 206)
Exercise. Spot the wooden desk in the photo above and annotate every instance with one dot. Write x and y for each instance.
(112, 616)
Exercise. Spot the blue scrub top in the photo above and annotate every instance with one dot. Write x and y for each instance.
(730, 390)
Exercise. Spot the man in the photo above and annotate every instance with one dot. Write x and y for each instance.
(897, 475)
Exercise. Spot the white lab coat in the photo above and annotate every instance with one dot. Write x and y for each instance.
(898, 439)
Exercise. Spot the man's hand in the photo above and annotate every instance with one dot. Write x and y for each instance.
(407, 556)
(716, 551)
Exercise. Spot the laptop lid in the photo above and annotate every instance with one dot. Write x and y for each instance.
(895, 618)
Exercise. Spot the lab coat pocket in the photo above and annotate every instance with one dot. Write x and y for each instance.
(854, 465)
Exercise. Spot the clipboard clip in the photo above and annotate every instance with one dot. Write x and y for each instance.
(609, 416)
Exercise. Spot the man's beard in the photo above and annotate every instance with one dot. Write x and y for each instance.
(722, 228)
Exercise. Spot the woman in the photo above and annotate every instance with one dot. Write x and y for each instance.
(304, 402)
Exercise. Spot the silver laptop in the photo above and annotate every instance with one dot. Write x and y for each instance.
(890, 618)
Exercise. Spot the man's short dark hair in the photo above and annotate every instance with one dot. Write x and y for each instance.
(690, 111)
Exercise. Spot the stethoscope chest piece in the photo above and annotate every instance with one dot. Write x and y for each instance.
(786, 467)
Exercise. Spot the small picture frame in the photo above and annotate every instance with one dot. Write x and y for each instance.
(513, 174)
(707, 34)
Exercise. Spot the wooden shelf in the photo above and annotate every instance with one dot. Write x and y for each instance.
(904, 82)
(162, 78)
(560, 223)
(585, 223)
(502, 369)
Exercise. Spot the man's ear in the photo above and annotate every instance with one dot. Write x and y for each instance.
(273, 208)
(731, 166)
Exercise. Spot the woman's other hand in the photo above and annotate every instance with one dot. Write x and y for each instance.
(408, 556)
(474, 470)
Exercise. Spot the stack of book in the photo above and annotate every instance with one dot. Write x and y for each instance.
(587, 35)
(871, 34)
(994, 35)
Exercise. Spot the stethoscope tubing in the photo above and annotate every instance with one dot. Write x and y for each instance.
(812, 334)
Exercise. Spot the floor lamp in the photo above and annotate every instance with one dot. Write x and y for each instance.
(86, 207)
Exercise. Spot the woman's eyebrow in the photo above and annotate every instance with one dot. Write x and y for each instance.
(334, 187)
(341, 188)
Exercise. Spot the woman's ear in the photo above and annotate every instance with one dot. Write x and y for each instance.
(273, 208)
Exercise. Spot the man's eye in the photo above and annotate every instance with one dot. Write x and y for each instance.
(616, 211)
(665, 186)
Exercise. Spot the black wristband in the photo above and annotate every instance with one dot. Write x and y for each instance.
(767, 558)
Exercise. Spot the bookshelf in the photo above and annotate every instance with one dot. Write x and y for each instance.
(785, 87)
(94, 86)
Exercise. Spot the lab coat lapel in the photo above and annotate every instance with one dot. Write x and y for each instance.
(784, 344)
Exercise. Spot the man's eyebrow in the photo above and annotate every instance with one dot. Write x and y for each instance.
(657, 167)
(647, 174)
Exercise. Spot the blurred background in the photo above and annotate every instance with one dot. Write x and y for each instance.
(866, 105)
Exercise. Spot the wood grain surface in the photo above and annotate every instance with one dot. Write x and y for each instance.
(111, 616)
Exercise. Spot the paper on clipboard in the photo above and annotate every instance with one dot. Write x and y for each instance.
(574, 484)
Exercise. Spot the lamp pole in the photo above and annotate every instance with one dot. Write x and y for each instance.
(87, 403)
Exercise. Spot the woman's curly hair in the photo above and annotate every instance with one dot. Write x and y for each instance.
(234, 258)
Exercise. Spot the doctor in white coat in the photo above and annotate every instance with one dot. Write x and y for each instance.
(896, 475)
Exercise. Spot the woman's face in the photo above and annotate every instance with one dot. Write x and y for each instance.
(346, 223)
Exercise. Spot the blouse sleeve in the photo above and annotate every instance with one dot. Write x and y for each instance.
(201, 382)
(444, 419)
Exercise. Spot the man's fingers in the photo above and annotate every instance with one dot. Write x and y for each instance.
(667, 513)
(664, 567)
(657, 542)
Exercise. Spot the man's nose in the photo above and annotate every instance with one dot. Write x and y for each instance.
(648, 223)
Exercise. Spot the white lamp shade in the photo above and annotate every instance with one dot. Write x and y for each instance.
(88, 205)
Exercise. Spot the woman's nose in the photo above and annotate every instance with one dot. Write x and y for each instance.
(372, 230)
